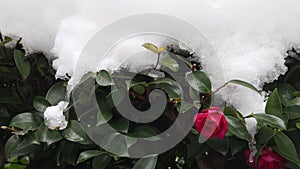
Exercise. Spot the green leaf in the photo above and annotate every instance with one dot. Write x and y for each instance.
(274, 106)
(104, 79)
(237, 128)
(296, 93)
(236, 145)
(22, 65)
(146, 132)
(298, 125)
(88, 154)
(151, 47)
(199, 81)
(173, 91)
(121, 125)
(285, 92)
(146, 163)
(26, 122)
(139, 89)
(221, 146)
(101, 161)
(40, 103)
(105, 115)
(56, 93)
(25, 160)
(269, 120)
(75, 133)
(16, 146)
(286, 148)
(6, 40)
(294, 102)
(48, 136)
(245, 84)
(293, 112)
(170, 63)
(14, 166)
(230, 111)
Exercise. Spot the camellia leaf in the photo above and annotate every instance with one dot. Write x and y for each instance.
(75, 133)
(221, 146)
(269, 120)
(294, 102)
(286, 93)
(88, 154)
(16, 146)
(101, 161)
(286, 148)
(298, 125)
(56, 93)
(48, 136)
(245, 84)
(274, 106)
(25, 122)
(40, 103)
(237, 128)
(170, 63)
(151, 47)
(22, 65)
(6, 40)
(236, 145)
(121, 125)
(104, 79)
(199, 81)
(14, 166)
(146, 163)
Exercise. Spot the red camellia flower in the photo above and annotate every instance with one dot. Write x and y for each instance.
(211, 122)
(267, 160)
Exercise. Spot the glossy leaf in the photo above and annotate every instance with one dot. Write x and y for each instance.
(269, 120)
(48, 136)
(40, 104)
(294, 102)
(151, 47)
(286, 148)
(101, 161)
(236, 145)
(56, 93)
(146, 163)
(104, 79)
(16, 146)
(221, 146)
(22, 65)
(285, 92)
(75, 133)
(237, 128)
(25, 122)
(88, 154)
(170, 63)
(121, 125)
(245, 84)
(274, 106)
(199, 81)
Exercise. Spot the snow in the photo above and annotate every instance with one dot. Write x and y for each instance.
(54, 117)
(250, 37)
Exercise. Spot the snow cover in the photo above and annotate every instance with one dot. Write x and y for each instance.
(249, 36)
(54, 117)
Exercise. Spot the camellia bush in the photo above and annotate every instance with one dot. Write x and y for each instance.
(42, 127)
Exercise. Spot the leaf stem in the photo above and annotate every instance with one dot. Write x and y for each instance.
(221, 87)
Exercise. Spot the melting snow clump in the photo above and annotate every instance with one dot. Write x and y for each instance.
(54, 117)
